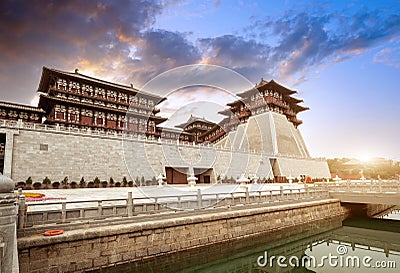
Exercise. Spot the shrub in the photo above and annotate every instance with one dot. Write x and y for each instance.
(65, 181)
(142, 181)
(46, 182)
(96, 181)
(82, 183)
(124, 181)
(29, 181)
(137, 181)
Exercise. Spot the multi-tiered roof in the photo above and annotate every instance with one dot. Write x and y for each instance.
(265, 96)
(77, 100)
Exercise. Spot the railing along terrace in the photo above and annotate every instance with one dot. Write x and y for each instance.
(377, 186)
(32, 214)
(19, 124)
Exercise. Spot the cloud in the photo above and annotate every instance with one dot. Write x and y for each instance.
(116, 40)
(246, 57)
(113, 40)
(389, 56)
(157, 51)
(290, 46)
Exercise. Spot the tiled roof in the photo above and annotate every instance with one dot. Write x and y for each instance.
(4, 104)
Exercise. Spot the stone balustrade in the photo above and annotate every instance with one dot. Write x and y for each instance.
(39, 214)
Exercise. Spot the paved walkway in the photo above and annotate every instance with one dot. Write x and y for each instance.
(154, 191)
(142, 194)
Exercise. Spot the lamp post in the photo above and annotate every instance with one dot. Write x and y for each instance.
(160, 179)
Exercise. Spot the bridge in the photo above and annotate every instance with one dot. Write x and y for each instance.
(365, 192)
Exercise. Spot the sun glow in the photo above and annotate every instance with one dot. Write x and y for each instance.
(365, 158)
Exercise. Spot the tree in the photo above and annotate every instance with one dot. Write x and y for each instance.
(111, 182)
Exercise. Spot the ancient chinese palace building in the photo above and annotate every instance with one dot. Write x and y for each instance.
(77, 114)
(80, 101)
(196, 127)
(266, 96)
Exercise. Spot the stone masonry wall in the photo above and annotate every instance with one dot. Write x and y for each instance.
(80, 250)
(56, 154)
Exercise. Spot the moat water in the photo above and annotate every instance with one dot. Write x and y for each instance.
(353, 245)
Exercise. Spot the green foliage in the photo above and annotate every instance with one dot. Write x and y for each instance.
(96, 181)
(46, 181)
(111, 181)
(142, 180)
(82, 182)
(29, 181)
(124, 181)
(65, 181)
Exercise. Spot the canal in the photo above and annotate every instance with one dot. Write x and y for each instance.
(352, 245)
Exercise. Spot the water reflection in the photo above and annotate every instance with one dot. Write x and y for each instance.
(377, 238)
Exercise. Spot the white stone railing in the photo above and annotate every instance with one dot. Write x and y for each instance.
(131, 136)
(371, 186)
(96, 133)
(35, 214)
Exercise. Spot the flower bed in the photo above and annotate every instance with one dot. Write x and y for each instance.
(33, 196)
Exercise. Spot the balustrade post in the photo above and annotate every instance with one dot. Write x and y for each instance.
(199, 199)
(179, 202)
(129, 204)
(232, 199)
(307, 189)
(63, 211)
(156, 205)
(281, 191)
(21, 210)
(247, 195)
(99, 208)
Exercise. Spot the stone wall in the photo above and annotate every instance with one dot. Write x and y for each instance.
(80, 250)
(38, 153)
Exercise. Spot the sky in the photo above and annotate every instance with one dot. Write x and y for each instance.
(343, 57)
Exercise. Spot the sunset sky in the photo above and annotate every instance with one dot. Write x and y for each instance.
(343, 57)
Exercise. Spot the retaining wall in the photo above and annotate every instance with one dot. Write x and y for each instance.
(92, 248)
